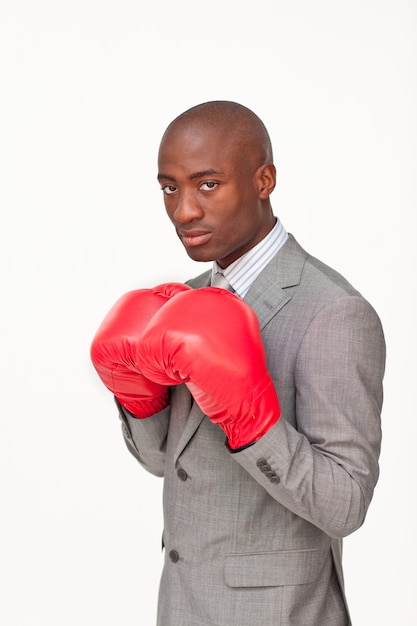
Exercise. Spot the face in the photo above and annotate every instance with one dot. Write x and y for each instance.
(217, 201)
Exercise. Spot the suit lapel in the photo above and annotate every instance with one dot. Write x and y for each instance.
(194, 420)
(271, 290)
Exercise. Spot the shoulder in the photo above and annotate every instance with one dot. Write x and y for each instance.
(306, 286)
(315, 272)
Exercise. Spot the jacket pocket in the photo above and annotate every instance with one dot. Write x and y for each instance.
(272, 569)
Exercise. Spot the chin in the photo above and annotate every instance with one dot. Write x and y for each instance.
(200, 256)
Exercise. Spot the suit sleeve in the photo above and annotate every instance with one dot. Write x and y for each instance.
(146, 438)
(325, 469)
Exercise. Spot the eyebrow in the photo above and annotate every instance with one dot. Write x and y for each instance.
(209, 172)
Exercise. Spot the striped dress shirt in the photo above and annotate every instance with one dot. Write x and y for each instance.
(242, 272)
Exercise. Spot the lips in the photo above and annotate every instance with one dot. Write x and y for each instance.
(192, 238)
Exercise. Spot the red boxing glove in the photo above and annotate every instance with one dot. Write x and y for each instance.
(114, 347)
(210, 340)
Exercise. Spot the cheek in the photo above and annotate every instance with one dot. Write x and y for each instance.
(169, 208)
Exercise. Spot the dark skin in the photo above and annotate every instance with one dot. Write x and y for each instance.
(216, 189)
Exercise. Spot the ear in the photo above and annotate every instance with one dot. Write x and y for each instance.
(266, 177)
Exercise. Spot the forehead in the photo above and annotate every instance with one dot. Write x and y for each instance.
(197, 149)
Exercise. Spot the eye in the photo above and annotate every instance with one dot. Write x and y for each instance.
(169, 189)
(209, 185)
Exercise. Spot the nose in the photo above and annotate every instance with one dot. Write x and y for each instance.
(187, 208)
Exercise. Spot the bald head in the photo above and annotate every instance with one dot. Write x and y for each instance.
(241, 130)
(215, 169)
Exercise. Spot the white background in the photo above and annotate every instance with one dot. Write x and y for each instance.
(87, 88)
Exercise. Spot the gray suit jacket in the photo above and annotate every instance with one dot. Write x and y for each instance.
(254, 538)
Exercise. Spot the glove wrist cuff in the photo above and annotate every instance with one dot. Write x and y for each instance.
(146, 407)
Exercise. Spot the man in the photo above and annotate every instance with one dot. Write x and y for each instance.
(265, 427)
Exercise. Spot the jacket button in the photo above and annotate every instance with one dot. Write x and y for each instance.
(174, 556)
(262, 463)
(272, 477)
(265, 468)
(182, 474)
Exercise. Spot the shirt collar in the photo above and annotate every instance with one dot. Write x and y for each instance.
(244, 271)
